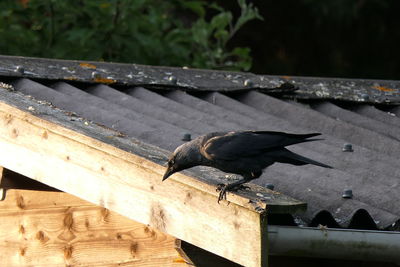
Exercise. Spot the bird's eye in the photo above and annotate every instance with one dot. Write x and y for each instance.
(171, 162)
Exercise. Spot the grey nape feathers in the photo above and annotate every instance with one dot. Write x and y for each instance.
(246, 153)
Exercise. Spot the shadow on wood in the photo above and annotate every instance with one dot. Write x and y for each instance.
(203, 258)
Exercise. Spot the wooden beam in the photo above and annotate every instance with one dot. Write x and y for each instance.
(355, 90)
(41, 228)
(94, 163)
(358, 90)
(136, 75)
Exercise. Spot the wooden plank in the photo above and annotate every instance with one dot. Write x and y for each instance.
(136, 75)
(358, 90)
(42, 229)
(129, 184)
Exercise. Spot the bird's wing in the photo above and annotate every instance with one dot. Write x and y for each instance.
(233, 145)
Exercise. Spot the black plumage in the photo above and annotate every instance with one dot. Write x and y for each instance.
(246, 153)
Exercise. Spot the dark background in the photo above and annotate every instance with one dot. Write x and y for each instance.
(341, 38)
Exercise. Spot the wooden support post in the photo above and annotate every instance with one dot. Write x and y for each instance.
(96, 164)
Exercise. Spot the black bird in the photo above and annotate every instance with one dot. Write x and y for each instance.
(246, 153)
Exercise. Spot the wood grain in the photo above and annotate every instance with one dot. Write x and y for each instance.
(54, 228)
(129, 184)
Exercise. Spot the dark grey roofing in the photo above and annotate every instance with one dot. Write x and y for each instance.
(161, 117)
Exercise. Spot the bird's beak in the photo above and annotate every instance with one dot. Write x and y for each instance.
(168, 173)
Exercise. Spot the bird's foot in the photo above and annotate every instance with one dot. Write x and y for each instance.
(224, 188)
(221, 188)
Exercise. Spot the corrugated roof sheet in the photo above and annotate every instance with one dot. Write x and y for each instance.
(161, 117)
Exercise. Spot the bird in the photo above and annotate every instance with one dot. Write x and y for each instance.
(246, 153)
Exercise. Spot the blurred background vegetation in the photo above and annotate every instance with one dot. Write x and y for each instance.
(341, 38)
(156, 32)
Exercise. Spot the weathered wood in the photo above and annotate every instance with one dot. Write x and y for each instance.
(359, 90)
(57, 229)
(92, 166)
(135, 75)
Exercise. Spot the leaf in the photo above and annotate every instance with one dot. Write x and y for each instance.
(248, 12)
(195, 6)
(222, 35)
(221, 20)
(200, 32)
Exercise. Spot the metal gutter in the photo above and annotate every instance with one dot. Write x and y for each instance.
(334, 243)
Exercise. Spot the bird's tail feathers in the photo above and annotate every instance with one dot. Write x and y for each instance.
(296, 159)
(288, 135)
(313, 139)
(302, 138)
(305, 136)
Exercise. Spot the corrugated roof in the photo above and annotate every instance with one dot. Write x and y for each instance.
(161, 117)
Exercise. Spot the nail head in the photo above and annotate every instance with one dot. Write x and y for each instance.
(347, 148)
(20, 69)
(172, 79)
(270, 186)
(186, 137)
(248, 83)
(365, 97)
(95, 74)
(348, 193)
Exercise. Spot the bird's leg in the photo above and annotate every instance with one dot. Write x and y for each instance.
(223, 188)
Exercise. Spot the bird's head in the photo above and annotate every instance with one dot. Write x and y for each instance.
(176, 163)
(172, 167)
(184, 157)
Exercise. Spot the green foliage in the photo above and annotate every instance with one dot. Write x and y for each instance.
(155, 32)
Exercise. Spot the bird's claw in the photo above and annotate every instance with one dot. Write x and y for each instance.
(221, 188)
(224, 188)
